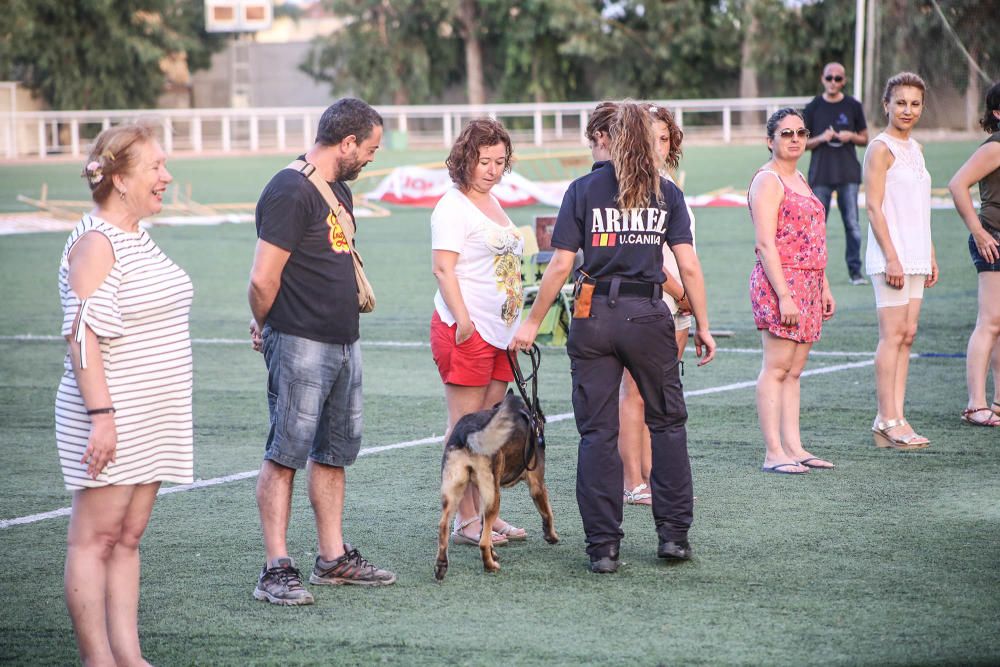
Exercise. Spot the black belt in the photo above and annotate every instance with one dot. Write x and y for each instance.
(649, 290)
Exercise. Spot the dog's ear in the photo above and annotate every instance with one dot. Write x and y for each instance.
(510, 391)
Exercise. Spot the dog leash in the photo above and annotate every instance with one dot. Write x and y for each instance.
(536, 421)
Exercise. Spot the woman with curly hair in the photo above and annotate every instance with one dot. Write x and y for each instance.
(984, 246)
(477, 263)
(620, 215)
(633, 436)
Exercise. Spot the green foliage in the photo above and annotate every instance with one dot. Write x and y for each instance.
(100, 54)
(398, 51)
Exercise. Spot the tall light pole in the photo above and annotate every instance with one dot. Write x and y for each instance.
(859, 43)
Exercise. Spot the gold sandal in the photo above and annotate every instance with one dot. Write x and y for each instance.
(880, 430)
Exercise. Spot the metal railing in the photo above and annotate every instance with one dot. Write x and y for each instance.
(198, 131)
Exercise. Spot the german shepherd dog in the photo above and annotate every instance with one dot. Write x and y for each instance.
(492, 448)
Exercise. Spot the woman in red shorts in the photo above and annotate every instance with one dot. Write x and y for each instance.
(477, 263)
(788, 289)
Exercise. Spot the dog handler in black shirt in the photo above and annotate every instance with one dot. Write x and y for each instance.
(620, 214)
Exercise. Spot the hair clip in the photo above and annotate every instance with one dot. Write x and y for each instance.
(654, 109)
(94, 172)
(108, 154)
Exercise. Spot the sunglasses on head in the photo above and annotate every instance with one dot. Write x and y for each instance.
(831, 77)
(788, 133)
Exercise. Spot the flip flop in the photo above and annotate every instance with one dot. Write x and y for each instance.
(805, 462)
(778, 469)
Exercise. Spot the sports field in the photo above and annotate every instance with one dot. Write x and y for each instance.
(891, 559)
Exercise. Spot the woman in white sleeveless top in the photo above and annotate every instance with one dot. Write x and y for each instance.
(123, 409)
(900, 256)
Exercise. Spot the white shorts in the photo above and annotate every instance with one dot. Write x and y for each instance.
(682, 322)
(887, 297)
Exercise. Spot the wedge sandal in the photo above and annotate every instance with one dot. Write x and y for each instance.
(880, 431)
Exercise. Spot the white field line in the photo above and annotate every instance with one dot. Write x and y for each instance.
(420, 344)
(215, 481)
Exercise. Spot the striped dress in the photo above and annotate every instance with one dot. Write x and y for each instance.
(140, 316)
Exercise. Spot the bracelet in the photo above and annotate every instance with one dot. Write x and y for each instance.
(102, 411)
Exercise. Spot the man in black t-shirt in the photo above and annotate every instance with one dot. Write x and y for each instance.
(304, 300)
(836, 123)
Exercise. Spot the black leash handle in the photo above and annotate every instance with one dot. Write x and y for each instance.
(536, 437)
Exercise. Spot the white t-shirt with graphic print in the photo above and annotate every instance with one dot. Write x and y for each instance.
(488, 267)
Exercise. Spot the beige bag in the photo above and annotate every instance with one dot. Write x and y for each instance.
(366, 296)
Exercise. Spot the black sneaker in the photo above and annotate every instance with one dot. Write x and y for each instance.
(607, 564)
(282, 584)
(675, 550)
(351, 568)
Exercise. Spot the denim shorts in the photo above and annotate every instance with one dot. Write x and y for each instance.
(314, 400)
(978, 260)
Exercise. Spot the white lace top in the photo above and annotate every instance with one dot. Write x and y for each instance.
(907, 209)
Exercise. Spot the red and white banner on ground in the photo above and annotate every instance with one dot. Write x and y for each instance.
(418, 186)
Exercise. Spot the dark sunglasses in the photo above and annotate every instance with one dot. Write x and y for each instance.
(788, 133)
(830, 77)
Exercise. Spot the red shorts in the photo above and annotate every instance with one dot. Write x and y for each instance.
(474, 363)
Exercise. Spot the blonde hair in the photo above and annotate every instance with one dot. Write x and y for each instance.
(634, 157)
(115, 151)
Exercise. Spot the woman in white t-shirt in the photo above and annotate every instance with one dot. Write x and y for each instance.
(477, 262)
(900, 256)
(634, 443)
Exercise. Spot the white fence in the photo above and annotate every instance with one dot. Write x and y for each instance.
(197, 131)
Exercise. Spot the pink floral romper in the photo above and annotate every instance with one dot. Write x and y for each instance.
(801, 242)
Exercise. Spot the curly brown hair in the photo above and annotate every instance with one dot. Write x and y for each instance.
(634, 157)
(114, 151)
(479, 133)
(662, 114)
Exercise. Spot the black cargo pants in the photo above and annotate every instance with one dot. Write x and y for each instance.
(636, 333)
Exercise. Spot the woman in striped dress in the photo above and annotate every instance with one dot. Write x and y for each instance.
(123, 409)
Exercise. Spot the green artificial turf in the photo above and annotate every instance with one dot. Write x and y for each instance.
(891, 559)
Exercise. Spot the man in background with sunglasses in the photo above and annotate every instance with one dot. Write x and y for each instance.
(836, 123)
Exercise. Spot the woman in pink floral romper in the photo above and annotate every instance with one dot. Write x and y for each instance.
(788, 290)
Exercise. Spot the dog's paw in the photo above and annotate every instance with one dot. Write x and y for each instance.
(552, 538)
(491, 567)
(440, 569)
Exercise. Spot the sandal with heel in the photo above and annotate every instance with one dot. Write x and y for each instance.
(880, 431)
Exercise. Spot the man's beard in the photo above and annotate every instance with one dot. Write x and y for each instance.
(350, 171)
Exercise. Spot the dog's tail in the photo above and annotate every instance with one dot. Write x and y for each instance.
(498, 431)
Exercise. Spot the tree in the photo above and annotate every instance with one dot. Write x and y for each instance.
(390, 51)
(100, 54)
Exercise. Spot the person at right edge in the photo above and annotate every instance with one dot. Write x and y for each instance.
(620, 215)
(836, 124)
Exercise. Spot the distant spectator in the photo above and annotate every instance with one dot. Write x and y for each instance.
(836, 123)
